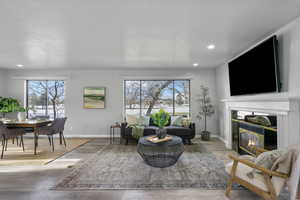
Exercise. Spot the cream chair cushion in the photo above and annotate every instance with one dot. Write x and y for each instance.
(258, 179)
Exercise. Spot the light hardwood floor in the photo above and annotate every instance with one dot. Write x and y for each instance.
(33, 183)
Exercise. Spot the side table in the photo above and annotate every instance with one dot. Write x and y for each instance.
(112, 132)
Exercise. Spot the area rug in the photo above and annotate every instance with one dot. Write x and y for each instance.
(121, 167)
(14, 156)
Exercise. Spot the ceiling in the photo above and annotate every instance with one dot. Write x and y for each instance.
(92, 34)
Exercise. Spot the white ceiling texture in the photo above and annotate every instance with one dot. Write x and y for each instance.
(92, 34)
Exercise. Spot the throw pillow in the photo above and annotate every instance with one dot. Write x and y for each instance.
(144, 121)
(267, 159)
(176, 120)
(186, 122)
(132, 119)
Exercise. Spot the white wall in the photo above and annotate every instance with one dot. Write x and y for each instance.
(289, 61)
(3, 83)
(96, 122)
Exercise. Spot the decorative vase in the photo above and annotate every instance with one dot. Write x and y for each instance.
(21, 116)
(205, 135)
(161, 133)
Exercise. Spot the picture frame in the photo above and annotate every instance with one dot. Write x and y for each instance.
(94, 97)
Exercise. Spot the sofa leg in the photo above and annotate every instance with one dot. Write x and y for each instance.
(126, 143)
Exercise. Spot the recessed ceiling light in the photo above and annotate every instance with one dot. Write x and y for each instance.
(19, 65)
(211, 46)
(195, 64)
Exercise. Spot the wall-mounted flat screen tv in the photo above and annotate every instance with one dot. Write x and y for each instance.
(256, 71)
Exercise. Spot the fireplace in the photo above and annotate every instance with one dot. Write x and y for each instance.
(246, 135)
(248, 139)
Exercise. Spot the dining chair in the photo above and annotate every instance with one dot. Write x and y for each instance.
(10, 133)
(56, 127)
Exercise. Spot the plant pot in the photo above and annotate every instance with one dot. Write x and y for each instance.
(161, 133)
(21, 116)
(205, 135)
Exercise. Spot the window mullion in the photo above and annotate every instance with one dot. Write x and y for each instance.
(140, 98)
(46, 98)
(173, 97)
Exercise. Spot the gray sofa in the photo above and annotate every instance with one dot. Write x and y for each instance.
(186, 133)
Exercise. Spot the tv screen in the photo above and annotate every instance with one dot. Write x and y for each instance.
(256, 71)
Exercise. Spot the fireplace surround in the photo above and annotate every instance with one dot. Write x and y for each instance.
(286, 109)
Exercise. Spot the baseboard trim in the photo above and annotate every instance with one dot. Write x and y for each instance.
(88, 136)
(73, 136)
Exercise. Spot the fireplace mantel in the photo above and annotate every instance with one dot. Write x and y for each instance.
(287, 111)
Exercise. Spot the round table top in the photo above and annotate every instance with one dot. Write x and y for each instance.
(175, 141)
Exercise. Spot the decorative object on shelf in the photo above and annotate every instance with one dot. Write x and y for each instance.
(161, 119)
(9, 105)
(94, 97)
(206, 110)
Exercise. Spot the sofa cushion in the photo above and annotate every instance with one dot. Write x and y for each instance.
(178, 131)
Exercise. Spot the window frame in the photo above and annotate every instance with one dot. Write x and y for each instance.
(173, 99)
(46, 103)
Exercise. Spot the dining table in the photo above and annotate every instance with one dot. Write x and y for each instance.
(32, 124)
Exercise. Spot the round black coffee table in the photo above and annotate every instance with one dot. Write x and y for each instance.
(162, 154)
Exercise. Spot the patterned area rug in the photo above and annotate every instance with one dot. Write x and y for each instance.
(121, 167)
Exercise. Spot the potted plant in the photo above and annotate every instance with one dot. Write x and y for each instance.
(161, 119)
(9, 105)
(206, 110)
(21, 114)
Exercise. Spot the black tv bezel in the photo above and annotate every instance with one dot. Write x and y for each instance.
(276, 68)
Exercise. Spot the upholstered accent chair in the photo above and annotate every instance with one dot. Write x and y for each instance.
(56, 127)
(10, 133)
(267, 183)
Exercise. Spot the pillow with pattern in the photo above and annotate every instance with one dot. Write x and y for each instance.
(132, 119)
(144, 120)
(266, 160)
(176, 120)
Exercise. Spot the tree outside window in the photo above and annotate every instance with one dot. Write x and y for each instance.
(145, 97)
(45, 98)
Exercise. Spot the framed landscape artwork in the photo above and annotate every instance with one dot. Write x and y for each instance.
(94, 97)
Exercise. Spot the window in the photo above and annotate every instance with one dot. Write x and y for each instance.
(45, 98)
(145, 97)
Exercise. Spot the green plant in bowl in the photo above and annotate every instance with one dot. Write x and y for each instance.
(161, 119)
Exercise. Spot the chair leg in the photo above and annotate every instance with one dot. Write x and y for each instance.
(3, 146)
(49, 140)
(52, 143)
(60, 138)
(6, 141)
(22, 142)
(229, 187)
(63, 137)
(232, 175)
(13, 140)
